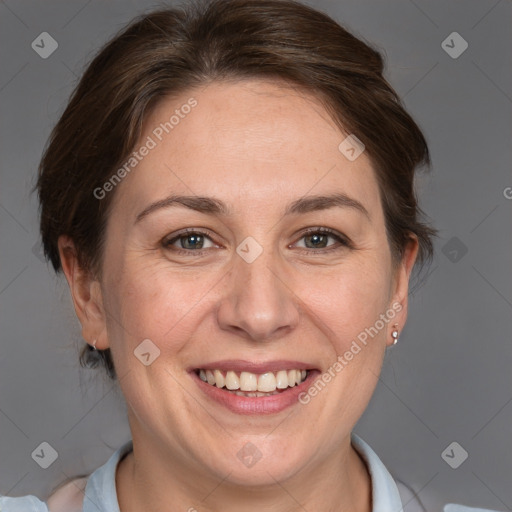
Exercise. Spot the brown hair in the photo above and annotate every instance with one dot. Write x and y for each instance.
(169, 51)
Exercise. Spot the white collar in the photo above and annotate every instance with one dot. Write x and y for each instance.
(385, 494)
(101, 496)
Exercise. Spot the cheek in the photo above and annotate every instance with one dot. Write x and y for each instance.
(346, 305)
(349, 299)
(150, 302)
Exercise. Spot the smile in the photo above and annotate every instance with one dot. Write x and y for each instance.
(249, 388)
(251, 384)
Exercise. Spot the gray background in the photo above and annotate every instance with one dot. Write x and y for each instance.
(449, 377)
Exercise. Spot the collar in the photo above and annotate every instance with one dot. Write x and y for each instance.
(385, 495)
(101, 495)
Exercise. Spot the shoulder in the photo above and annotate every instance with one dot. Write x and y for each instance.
(455, 507)
(68, 497)
(22, 504)
(410, 500)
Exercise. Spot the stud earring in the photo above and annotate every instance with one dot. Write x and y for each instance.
(394, 334)
(93, 345)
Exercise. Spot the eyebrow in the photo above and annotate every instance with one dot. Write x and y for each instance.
(213, 206)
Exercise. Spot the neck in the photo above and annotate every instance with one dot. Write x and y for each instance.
(149, 479)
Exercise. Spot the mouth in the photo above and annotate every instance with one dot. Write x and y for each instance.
(251, 384)
(249, 388)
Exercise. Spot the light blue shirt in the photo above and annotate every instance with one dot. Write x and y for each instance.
(101, 495)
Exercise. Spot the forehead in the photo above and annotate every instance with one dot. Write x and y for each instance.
(252, 143)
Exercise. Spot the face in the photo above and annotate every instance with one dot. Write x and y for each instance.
(253, 273)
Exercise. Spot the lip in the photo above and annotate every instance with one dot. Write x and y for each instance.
(260, 405)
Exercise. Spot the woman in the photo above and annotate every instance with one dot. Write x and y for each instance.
(229, 194)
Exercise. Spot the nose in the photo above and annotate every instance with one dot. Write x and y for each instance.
(258, 301)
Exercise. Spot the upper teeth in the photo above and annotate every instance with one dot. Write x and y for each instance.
(247, 381)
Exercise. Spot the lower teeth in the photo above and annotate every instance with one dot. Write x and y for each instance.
(251, 393)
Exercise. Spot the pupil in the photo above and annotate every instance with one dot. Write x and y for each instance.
(317, 238)
(196, 241)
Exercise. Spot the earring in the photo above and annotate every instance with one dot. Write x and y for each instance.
(394, 334)
(93, 345)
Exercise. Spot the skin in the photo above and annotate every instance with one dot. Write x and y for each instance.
(257, 146)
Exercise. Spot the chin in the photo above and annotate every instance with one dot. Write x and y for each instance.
(260, 462)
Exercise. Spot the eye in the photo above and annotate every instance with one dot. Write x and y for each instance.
(317, 239)
(196, 241)
(190, 240)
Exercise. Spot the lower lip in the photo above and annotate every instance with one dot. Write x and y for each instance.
(256, 405)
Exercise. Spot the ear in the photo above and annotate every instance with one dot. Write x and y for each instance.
(86, 295)
(400, 287)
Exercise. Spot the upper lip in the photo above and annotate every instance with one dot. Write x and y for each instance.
(241, 365)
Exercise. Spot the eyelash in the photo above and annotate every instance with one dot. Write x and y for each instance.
(344, 241)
